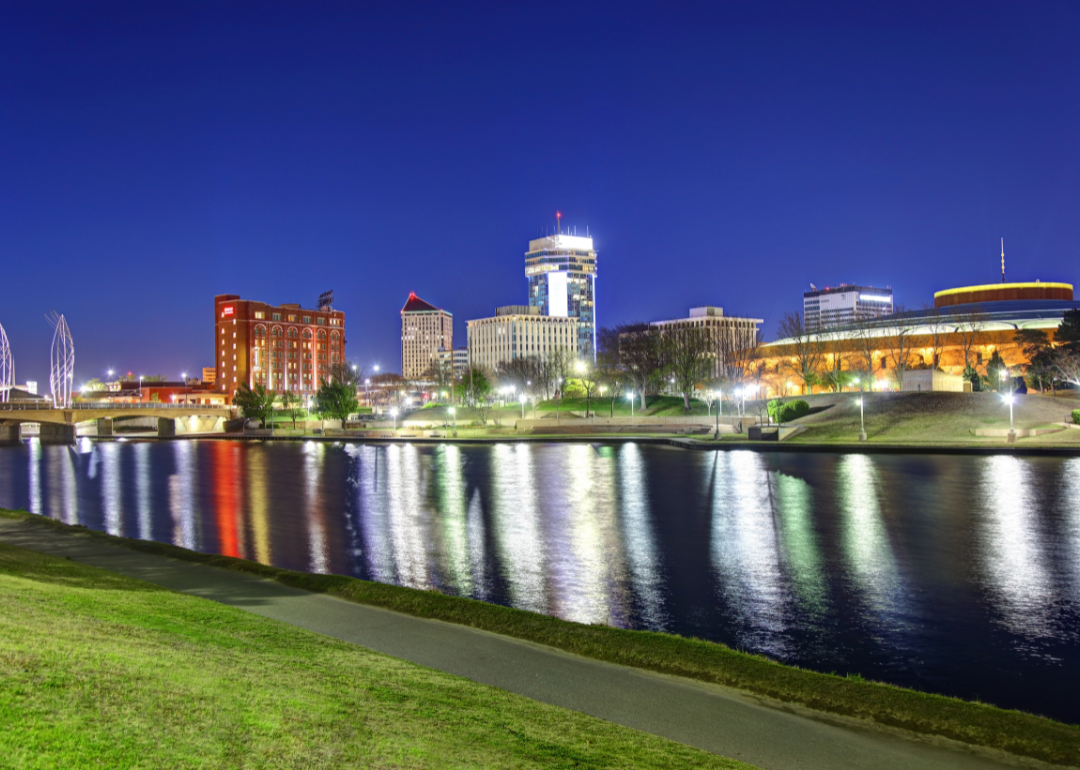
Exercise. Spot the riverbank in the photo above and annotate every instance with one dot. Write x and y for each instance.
(972, 723)
(98, 669)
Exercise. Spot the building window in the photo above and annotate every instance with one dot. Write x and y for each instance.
(292, 318)
(260, 314)
(307, 319)
(276, 317)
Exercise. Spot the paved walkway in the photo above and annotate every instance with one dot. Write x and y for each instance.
(710, 717)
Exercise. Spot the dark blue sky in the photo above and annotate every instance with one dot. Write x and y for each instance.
(153, 155)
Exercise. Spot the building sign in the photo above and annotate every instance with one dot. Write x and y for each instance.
(227, 311)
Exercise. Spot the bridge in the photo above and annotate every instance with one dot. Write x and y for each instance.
(58, 425)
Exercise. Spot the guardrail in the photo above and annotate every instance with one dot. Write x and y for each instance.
(46, 406)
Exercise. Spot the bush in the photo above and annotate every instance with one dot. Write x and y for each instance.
(1076, 416)
(780, 411)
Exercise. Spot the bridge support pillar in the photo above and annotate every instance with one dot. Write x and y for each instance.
(56, 433)
(166, 427)
(104, 426)
(9, 434)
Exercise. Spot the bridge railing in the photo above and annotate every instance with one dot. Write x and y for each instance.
(45, 405)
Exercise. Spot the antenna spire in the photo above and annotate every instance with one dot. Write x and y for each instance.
(1003, 260)
(558, 221)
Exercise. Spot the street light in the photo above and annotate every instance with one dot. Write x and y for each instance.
(453, 415)
(523, 404)
(630, 396)
(393, 413)
(1003, 375)
(140, 388)
(1009, 399)
(183, 376)
(862, 422)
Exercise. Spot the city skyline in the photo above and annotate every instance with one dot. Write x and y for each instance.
(725, 157)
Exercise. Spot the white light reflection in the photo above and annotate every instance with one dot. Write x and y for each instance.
(1070, 507)
(36, 504)
(744, 550)
(406, 489)
(638, 537)
(319, 552)
(453, 518)
(142, 489)
(112, 487)
(182, 500)
(871, 564)
(515, 525)
(63, 489)
(370, 481)
(1009, 547)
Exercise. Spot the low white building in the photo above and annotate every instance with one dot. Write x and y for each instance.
(726, 332)
(517, 331)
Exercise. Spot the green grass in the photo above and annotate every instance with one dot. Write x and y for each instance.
(100, 670)
(973, 723)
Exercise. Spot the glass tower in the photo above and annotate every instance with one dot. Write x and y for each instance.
(561, 270)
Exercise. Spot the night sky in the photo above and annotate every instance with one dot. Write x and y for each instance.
(154, 155)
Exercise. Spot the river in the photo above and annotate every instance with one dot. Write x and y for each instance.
(951, 574)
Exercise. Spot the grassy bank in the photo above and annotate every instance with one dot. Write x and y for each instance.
(972, 723)
(100, 670)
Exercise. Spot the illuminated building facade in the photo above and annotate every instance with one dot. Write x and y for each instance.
(561, 271)
(424, 330)
(518, 331)
(282, 347)
(844, 304)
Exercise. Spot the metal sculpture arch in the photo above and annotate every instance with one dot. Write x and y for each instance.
(61, 362)
(7, 368)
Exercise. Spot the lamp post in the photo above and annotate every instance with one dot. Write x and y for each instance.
(716, 435)
(630, 396)
(453, 416)
(140, 388)
(523, 404)
(183, 376)
(367, 396)
(393, 414)
(862, 422)
(1009, 399)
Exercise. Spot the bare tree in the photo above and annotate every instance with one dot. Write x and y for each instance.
(441, 375)
(835, 348)
(938, 328)
(971, 330)
(586, 377)
(609, 367)
(688, 355)
(901, 342)
(805, 348)
(641, 356)
(1066, 364)
(737, 348)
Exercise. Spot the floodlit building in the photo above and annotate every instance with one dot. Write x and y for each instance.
(458, 358)
(726, 332)
(517, 331)
(561, 270)
(282, 347)
(425, 329)
(844, 304)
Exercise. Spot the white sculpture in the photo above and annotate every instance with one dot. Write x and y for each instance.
(61, 362)
(7, 367)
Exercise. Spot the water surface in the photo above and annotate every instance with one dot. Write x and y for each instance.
(953, 574)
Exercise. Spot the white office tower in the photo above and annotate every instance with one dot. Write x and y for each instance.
(844, 304)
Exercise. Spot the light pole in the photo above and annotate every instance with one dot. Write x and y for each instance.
(393, 414)
(367, 396)
(630, 396)
(453, 416)
(716, 436)
(183, 376)
(1010, 398)
(862, 422)
(523, 404)
(140, 388)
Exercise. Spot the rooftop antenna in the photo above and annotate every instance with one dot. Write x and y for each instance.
(1003, 260)
(558, 221)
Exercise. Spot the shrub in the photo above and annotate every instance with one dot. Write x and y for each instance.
(793, 410)
(1076, 416)
(773, 408)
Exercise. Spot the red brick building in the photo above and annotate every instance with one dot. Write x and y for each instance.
(282, 347)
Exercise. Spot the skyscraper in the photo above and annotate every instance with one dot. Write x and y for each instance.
(561, 270)
(425, 329)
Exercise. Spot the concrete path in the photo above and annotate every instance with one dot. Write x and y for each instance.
(709, 717)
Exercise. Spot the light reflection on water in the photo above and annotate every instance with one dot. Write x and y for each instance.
(955, 574)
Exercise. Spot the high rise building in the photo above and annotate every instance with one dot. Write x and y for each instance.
(561, 270)
(424, 330)
(844, 304)
(282, 347)
(517, 331)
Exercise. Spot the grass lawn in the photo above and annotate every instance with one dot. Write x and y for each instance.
(100, 670)
(975, 723)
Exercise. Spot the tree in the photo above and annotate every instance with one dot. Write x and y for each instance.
(938, 329)
(586, 377)
(994, 369)
(1037, 351)
(836, 347)
(255, 403)
(687, 354)
(609, 370)
(971, 329)
(805, 347)
(336, 400)
(94, 384)
(901, 342)
(640, 355)
(737, 349)
(292, 405)
(1067, 335)
(1067, 366)
(474, 387)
